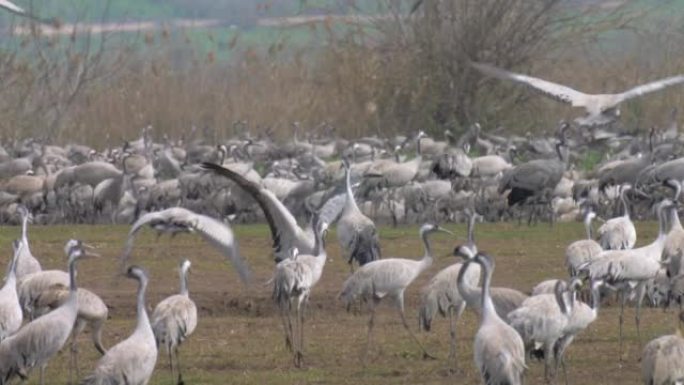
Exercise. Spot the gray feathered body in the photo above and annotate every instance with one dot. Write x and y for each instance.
(357, 234)
(31, 286)
(662, 361)
(173, 320)
(531, 178)
(617, 234)
(499, 353)
(505, 300)
(26, 262)
(10, 311)
(381, 278)
(442, 293)
(130, 362)
(37, 342)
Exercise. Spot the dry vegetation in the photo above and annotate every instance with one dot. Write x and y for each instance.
(391, 75)
(239, 338)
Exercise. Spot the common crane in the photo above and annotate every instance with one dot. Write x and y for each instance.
(292, 283)
(529, 180)
(177, 220)
(583, 250)
(26, 262)
(601, 109)
(631, 269)
(356, 232)
(174, 319)
(581, 316)
(39, 340)
(10, 310)
(662, 360)
(540, 321)
(618, 233)
(389, 278)
(132, 360)
(442, 295)
(499, 350)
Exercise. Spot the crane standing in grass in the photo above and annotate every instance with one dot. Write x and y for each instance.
(499, 350)
(356, 232)
(132, 360)
(389, 278)
(10, 310)
(442, 295)
(26, 262)
(292, 283)
(41, 339)
(174, 319)
(662, 360)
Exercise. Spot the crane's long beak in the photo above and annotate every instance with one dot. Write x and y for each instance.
(90, 254)
(88, 246)
(442, 229)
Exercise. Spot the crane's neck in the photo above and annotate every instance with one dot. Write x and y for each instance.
(351, 202)
(488, 309)
(587, 226)
(427, 257)
(143, 321)
(469, 293)
(471, 230)
(675, 224)
(72, 277)
(625, 205)
(24, 230)
(12, 272)
(559, 293)
(419, 151)
(595, 299)
(184, 281)
(662, 223)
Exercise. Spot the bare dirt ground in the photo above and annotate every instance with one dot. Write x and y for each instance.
(239, 339)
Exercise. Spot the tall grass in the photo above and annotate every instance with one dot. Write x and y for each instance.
(363, 81)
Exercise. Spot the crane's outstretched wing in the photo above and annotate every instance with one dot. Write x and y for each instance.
(330, 211)
(650, 87)
(221, 237)
(284, 228)
(555, 91)
(10, 6)
(165, 217)
(178, 219)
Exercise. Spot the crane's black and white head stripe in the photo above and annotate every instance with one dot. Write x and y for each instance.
(73, 248)
(137, 273)
(185, 265)
(465, 251)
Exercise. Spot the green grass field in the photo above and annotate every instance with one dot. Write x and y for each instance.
(239, 339)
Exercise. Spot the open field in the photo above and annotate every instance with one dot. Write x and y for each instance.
(239, 339)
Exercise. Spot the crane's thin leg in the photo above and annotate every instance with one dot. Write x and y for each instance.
(641, 292)
(287, 325)
(178, 366)
(169, 351)
(452, 334)
(400, 305)
(371, 323)
(623, 298)
(298, 355)
(74, 359)
(548, 359)
(562, 345)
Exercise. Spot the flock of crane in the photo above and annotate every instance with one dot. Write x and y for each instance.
(190, 185)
